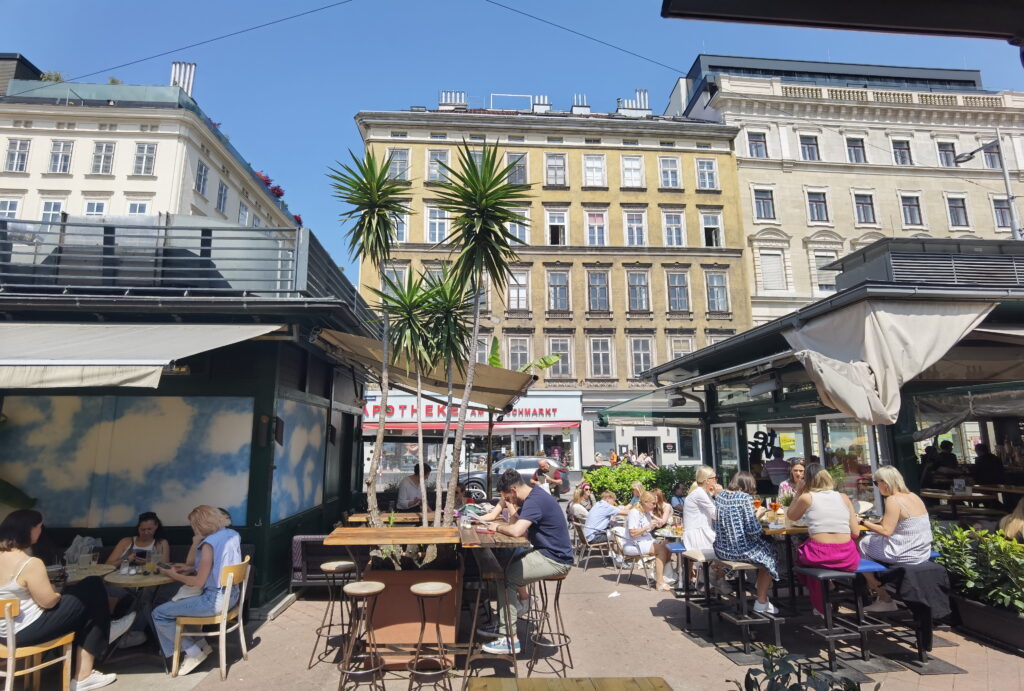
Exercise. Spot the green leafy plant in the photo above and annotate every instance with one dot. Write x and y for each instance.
(781, 671)
(983, 566)
(619, 480)
(666, 477)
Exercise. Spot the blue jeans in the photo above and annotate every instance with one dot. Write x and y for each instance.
(205, 605)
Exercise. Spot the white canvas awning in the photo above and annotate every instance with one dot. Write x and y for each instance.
(54, 356)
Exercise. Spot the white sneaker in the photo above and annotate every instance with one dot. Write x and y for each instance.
(766, 608)
(669, 581)
(190, 663)
(96, 680)
(132, 639)
(880, 605)
(119, 627)
(522, 607)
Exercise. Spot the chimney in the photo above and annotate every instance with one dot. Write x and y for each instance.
(579, 104)
(183, 74)
(541, 104)
(452, 100)
(634, 107)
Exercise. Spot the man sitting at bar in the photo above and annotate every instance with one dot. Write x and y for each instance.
(409, 497)
(541, 520)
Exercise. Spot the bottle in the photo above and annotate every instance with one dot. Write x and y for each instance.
(124, 567)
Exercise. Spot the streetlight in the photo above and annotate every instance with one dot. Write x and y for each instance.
(998, 141)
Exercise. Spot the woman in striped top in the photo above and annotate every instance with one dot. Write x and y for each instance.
(904, 536)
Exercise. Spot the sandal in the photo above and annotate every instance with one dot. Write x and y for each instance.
(664, 587)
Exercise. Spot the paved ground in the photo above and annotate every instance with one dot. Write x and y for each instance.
(632, 634)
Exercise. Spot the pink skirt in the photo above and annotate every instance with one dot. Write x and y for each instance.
(822, 555)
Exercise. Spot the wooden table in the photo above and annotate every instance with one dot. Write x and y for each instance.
(954, 497)
(137, 581)
(83, 572)
(397, 535)
(1001, 489)
(403, 517)
(583, 684)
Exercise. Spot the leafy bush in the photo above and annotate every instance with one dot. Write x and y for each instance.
(666, 477)
(620, 479)
(982, 565)
(781, 672)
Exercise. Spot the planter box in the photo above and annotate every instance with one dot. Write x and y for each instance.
(991, 623)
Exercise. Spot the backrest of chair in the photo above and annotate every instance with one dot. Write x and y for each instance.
(237, 573)
(580, 535)
(11, 607)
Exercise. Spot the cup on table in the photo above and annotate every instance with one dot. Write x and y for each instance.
(84, 559)
(757, 503)
(775, 506)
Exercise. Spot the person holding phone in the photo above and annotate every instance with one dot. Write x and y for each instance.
(147, 541)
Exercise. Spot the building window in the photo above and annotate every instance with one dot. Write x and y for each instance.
(809, 148)
(483, 351)
(519, 292)
(17, 156)
(438, 135)
(483, 293)
(517, 173)
(631, 142)
(825, 281)
(60, 156)
(707, 174)
(711, 229)
(395, 134)
(520, 229)
(557, 229)
(597, 291)
(668, 167)
(592, 140)
(437, 225)
(675, 234)
(8, 208)
(911, 206)
(855, 152)
(222, 197)
(865, 207)
(518, 352)
(597, 233)
(600, 357)
(817, 207)
(718, 291)
(393, 275)
(437, 159)
(957, 212)
(243, 214)
(52, 212)
(257, 222)
(554, 170)
(773, 269)
(678, 346)
(993, 159)
(561, 346)
(138, 208)
(202, 175)
(757, 144)
(678, 292)
(638, 291)
(636, 228)
(764, 205)
(95, 208)
(632, 171)
(593, 170)
(478, 157)
(640, 354)
(401, 222)
(1001, 208)
(947, 154)
(103, 158)
(558, 291)
(398, 169)
(145, 158)
(901, 152)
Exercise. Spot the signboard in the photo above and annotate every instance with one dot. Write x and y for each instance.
(668, 447)
(530, 408)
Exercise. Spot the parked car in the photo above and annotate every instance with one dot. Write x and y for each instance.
(476, 481)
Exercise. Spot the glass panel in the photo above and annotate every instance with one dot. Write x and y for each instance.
(846, 455)
(725, 444)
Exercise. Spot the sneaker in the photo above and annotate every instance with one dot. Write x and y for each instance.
(190, 663)
(882, 606)
(766, 608)
(133, 639)
(96, 680)
(500, 647)
(119, 627)
(489, 632)
(522, 607)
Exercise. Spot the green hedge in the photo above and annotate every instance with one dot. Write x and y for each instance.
(983, 566)
(621, 478)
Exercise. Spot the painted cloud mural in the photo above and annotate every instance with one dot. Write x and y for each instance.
(299, 472)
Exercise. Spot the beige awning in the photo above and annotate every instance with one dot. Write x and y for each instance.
(493, 387)
(56, 356)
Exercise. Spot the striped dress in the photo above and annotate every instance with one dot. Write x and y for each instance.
(910, 542)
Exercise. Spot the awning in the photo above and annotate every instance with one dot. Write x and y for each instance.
(493, 387)
(56, 356)
(661, 406)
(499, 427)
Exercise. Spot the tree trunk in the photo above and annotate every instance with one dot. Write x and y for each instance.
(370, 481)
(444, 442)
(460, 428)
(490, 439)
(419, 444)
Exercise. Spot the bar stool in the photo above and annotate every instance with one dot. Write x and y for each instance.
(439, 664)
(333, 572)
(367, 664)
(743, 617)
(706, 602)
(549, 631)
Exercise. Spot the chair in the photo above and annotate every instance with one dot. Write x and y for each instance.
(549, 630)
(238, 574)
(438, 663)
(34, 653)
(335, 572)
(362, 660)
(743, 617)
(617, 542)
(584, 549)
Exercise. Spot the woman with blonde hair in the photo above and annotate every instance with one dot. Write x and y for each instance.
(904, 535)
(699, 511)
(1013, 524)
(220, 546)
(639, 539)
(577, 509)
(831, 525)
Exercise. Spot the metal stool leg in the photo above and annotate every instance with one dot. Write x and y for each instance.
(366, 664)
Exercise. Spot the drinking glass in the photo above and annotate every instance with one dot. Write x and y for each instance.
(94, 557)
(775, 506)
(757, 503)
(84, 559)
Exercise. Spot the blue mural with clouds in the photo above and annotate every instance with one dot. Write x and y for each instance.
(95, 461)
(299, 472)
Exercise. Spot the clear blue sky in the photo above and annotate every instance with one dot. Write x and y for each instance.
(286, 94)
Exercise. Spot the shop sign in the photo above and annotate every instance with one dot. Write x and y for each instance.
(527, 409)
(668, 447)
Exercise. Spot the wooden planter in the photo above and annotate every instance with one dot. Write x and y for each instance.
(994, 624)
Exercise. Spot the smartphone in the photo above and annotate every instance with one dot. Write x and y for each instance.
(141, 553)
(162, 565)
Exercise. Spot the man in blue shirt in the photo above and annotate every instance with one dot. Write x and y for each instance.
(600, 517)
(543, 522)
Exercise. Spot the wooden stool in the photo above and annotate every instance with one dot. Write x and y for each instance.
(332, 570)
(366, 665)
(550, 629)
(708, 602)
(743, 617)
(439, 664)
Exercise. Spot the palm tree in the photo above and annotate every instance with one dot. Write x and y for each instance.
(481, 202)
(406, 304)
(450, 312)
(376, 200)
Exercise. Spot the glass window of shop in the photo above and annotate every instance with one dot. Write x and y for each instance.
(688, 448)
(604, 444)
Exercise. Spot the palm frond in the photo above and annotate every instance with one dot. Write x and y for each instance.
(406, 304)
(450, 311)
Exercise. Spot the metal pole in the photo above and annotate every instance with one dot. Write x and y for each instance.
(1014, 218)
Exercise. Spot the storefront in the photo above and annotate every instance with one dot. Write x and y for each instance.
(668, 431)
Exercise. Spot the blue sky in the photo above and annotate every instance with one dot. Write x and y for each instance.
(286, 94)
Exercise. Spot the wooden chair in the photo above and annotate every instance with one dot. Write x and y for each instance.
(585, 550)
(34, 653)
(230, 576)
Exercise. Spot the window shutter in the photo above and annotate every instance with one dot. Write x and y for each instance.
(773, 271)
